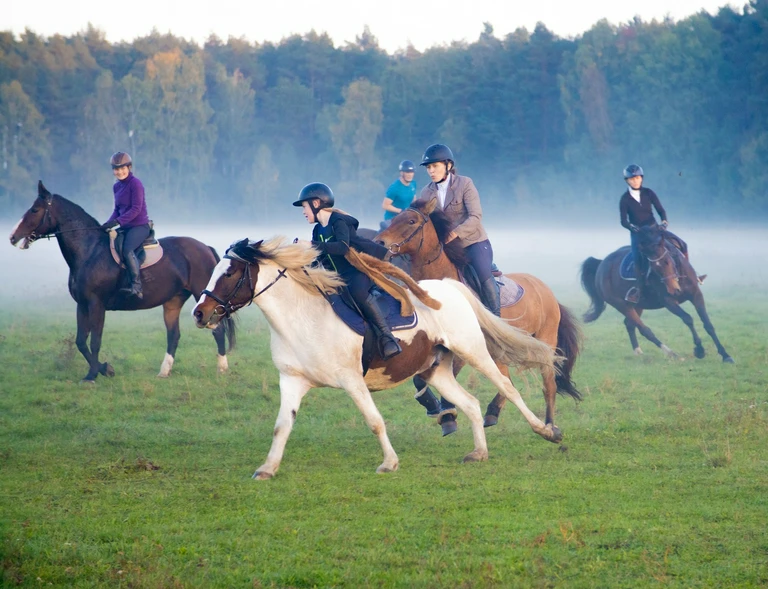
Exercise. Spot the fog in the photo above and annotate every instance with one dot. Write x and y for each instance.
(731, 256)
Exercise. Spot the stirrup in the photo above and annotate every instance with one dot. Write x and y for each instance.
(388, 342)
(633, 295)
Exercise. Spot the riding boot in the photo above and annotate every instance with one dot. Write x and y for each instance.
(388, 346)
(489, 293)
(132, 263)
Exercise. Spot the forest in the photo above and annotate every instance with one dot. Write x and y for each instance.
(544, 125)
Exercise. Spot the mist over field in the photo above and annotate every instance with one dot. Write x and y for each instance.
(731, 255)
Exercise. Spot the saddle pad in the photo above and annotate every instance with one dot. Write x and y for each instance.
(510, 292)
(390, 308)
(153, 253)
(627, 267)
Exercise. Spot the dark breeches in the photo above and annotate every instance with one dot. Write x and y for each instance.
(640, 260)
(481, 258)
(134, 237)
(358, 285)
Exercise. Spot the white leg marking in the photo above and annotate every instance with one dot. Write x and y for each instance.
(222, 364)
(165, 367)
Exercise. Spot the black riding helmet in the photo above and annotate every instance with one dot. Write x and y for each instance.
(406, 166)
(632, 170)
(316, 190)
(437, 153)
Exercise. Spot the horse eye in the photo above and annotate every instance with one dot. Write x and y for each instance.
(412, 221)
(34, 210)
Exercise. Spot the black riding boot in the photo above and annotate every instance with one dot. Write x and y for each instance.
(388, 346)
(132, 263)
(489, 293)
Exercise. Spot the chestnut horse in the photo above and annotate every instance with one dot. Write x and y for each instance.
(420, 232)
(674, 282)
(312, 347)
(94, 277)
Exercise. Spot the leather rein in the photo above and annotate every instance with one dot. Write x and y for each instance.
(395, 248)
(226, 307)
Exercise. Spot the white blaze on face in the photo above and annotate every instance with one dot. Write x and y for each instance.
(22, 243)
(221, 268)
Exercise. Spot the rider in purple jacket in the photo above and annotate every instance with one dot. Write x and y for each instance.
(130, 214)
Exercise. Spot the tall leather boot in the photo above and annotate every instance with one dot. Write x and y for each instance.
(490, 296)
(132, 263)
(388, 346)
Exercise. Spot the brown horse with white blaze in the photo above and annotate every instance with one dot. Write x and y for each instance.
(420, 231)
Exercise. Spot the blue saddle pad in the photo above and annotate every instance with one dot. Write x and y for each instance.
(390, 308)
(627, 268)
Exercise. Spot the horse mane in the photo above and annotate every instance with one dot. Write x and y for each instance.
(443, 227)
(296, 258)
(70, 207)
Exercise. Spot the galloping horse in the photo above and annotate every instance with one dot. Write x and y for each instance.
(676, 282)
(94, 277)
(420, 231)
(312, 347)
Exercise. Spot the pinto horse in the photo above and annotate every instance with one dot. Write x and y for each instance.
(94, 277)
(312, 347)
(671, 281)
(420, 232)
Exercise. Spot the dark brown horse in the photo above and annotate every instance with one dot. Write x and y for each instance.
(420, 232)
(94, 277)
(671, 281)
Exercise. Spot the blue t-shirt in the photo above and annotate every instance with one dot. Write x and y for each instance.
(401, 195)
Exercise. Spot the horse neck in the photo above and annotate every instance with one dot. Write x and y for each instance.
(76, 245)
(424, 264)
(286, 305)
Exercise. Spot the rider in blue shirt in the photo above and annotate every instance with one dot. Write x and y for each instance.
(400, 193)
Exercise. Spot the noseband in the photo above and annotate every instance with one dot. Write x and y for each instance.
(674, 273)
(226, 308)
(395, 248)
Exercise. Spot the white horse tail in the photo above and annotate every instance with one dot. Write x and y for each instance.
(507, 344)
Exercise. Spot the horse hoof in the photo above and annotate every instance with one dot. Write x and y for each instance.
(107, 370)
(476, 456)
(699, 352)
(490, 420)
(87, 380)
(449, 427)
(262, 476)
(386, 469)
(638, 352)
(556, 436)
(729, 360)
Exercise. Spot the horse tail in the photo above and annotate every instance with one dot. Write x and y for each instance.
(569, 345)
(588, 276)
(508, 344)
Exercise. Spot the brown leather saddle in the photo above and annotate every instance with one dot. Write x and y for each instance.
(150, 252)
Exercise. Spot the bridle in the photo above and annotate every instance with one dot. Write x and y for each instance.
(226, 307)
(395, 248)
(674, 274)
(33, 236)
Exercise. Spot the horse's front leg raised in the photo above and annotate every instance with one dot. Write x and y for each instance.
(357, 389)
(292, 391)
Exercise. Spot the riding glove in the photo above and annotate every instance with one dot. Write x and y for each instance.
(109, 225)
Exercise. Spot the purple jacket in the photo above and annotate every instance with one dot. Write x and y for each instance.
(130, 208)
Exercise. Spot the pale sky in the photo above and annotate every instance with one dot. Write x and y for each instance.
(395, 23)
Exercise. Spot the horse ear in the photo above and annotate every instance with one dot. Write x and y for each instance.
(42, 191)
(430, 206)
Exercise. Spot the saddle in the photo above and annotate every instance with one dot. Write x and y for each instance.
(510, 292)
(150, 252)
(347, 311)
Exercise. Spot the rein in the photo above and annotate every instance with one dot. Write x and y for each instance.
(33, 236)
(394, 249)
(227, 308)
(666, 253)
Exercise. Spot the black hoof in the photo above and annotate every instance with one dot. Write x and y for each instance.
(729, 360)
(107, 370)
(449, 427)
(490, 420)
(699, 352)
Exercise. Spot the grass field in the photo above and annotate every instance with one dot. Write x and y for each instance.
(661, 480)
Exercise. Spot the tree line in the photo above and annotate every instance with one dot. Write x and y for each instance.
(543, 124)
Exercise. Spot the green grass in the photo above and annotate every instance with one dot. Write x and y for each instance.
(143, 482)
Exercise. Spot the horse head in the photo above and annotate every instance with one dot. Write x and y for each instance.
(405, 234)
(232, 285)
(37, 222)
(660, 257)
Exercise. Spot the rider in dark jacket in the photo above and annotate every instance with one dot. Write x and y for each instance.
(334, 233)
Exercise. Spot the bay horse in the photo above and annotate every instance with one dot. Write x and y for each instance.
(94, 277)
(671, 281)
(420, 232)
(312, 347)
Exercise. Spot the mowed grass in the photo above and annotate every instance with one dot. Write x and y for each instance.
(661, 480)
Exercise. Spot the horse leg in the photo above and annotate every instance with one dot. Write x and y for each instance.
(220, 336)
(292, 391)
(357, 389)
(632, 332)
(443, 378)
(633, 316)
(95, 321)
(171, 311)
(83, 331)
(494, 408)
(701, 309)
(674, 308)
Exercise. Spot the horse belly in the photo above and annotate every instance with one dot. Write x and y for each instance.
(419, 354)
